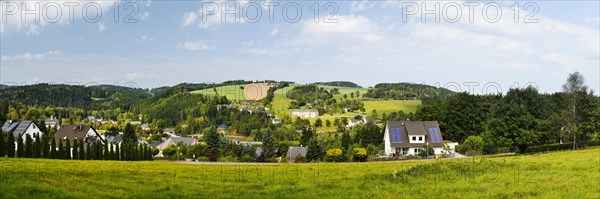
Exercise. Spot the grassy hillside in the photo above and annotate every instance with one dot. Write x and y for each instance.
(568, 174)
(388, 106)
(232, 92)
(345, 90)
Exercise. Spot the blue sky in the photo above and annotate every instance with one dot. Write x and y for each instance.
(369, 44)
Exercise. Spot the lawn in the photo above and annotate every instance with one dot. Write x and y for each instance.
(567, 174)
(388, 106)
(232, 92)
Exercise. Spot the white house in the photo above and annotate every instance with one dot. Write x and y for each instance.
(23, 128)
(52, 122)
(404, 138)
(305, 113)
(354, 122)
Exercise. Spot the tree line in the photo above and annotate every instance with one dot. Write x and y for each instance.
(44, 147)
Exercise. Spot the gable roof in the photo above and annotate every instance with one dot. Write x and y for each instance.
(10, 125)
(76, 131)
(294, 151)
(413, 128)
(175, 141)
(23, 125)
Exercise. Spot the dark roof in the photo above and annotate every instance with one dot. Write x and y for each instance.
(223, 126)
(23, 125)
(413, 128)
(294, 151)
(77, 131)
(183, 140)
(10, 125)
(114, 139)
(48, 121)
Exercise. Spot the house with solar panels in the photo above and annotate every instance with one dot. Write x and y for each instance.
(403, 138)
(23, 128)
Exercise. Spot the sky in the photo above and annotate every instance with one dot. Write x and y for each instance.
(477, 47)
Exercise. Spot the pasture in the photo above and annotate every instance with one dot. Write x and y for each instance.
(388, 106)
(566, 174)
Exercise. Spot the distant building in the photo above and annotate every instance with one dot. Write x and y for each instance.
(277, 120)
(305, 113)
(295, 151)
(81, 132)
(174, 141)
(354, 122)
(23, 128)
(52, 122)
(223, 128)
(145, 127)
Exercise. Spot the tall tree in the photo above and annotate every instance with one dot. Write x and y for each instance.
(20, 147)
(53, 153)
(10, 146)
(28, 146)
(346, 141)
(315, 150)
(37, 146)
(61, 150)
(106, 154)
(580, 110)
(213, 141)
(307, 135)
(45, 147)
(2, 144)
(268, 145)
(82, 151)
(68, 149)
(117, 152)
(75, 149)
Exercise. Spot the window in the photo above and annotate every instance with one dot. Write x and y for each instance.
(420, 138)
(414, 138)
(398, 150)
(416, 150)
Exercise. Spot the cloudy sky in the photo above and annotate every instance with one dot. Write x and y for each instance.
(464, 46)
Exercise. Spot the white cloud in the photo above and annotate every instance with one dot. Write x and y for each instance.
(133, 76)
(189, 18)
(32, 56)
(194, 45)
(101, 27)
(145, 16)
(357, 6)
(275, 30)
(354, 27)
(143, 39)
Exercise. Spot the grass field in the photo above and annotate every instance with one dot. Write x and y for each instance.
(567, 174)
(388, 106)
(345, 90)
(232, 92)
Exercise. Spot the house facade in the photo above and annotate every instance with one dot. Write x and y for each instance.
(305, 113)
(403, 138)
(23, 128)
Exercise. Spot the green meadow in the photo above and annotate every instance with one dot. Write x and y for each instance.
(389, 106)
(567, 174)
(232, 92)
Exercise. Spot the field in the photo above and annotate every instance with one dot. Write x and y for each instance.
(388, 106)
(256, 91)
(567, 174)
(345, 90)
(232, 92)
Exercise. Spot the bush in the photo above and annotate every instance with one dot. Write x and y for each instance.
(155, 151)
(229, 158)
(202, 159)
(170, 150)
(359, 154)
(299, 159)
(247, 158)
(334, 154)
(472, 144)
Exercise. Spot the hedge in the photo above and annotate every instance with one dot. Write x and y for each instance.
(558, 147)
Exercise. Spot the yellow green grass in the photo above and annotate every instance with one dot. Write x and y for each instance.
(232, 92)
(388, 106)
(567, 174)
(346, 90)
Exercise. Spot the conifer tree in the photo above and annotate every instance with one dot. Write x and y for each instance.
(117, 153)
(10, 145)
(68, 149)
(82, 150)
(2, 144)
(61, 150)
(45, 147)
(20, 147)
(53, 154)
(37, 147)
(111, 152)
(28, 146)
(106, 155)
(88, 151)
(75, 149)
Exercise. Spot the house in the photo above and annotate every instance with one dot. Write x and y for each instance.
(409, 137)
(145, 127)
(52, 122)
(23, 128)
(353, 122)
(222, 128)
(305, 113)
(81, 132)
(170, 131)
(91, 118)
(451, 146)
(174, 141)
(294, 151)
(116, 139)
(277, 120)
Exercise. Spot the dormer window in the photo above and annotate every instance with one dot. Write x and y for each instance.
(414, 138)
(420, 138)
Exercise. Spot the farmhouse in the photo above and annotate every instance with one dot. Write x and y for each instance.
(409, 137)
(295, 151)
(81, 132)
(52, 122)
(23, 128)
(174, 141)
(305, 113)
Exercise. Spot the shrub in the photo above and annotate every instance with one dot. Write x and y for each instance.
(202, 159)
(155, 151)
(247, 158)
(557, 147)
(334, 154)
(472, 144)
(170, 150)
(229, 158)
(359, 154)
(299, 159)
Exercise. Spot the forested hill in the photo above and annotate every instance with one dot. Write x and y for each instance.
(61, 95)
(340, 84)
(403, 91)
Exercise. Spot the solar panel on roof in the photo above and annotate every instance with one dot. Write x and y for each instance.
(396, 135)
(434, 135)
